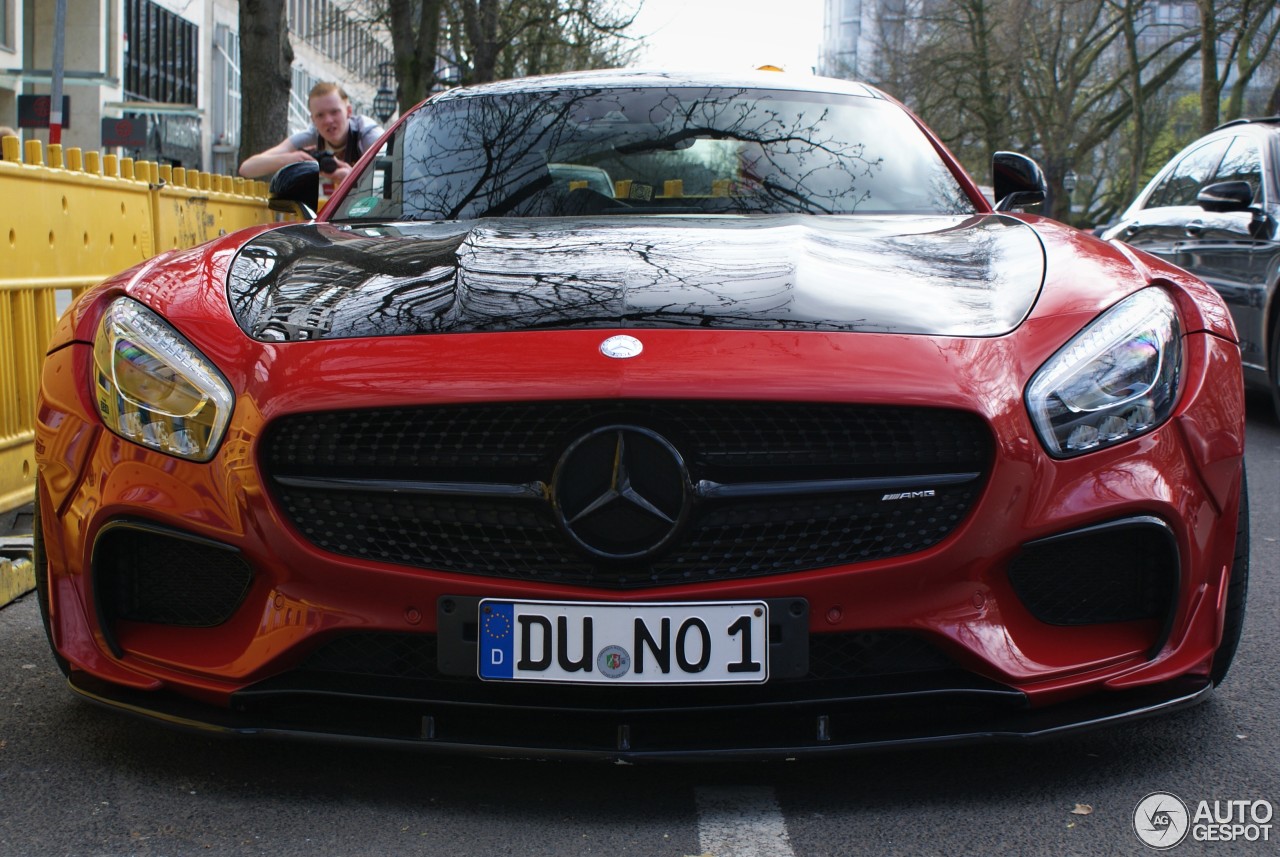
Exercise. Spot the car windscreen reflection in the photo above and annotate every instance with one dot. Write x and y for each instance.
(652, 150)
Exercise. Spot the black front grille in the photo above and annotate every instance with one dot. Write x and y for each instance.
(360, 453)
(1117, 572)
(143, 574)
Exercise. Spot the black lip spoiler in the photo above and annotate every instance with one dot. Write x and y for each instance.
(847, 726)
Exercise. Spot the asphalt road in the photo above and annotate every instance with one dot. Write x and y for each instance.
(76, 780)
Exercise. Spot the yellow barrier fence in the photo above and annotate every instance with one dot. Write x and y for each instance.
(70, 220)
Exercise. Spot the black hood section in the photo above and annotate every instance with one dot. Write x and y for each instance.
(951, 276)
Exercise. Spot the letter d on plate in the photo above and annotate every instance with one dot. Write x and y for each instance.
(497, 640)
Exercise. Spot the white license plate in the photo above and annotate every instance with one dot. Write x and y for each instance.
(589, 643)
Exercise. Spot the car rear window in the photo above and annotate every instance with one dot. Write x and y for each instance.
(652, 150)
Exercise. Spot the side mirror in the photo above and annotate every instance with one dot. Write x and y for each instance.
(1226, 196)
(295, 189)
(1017, 181)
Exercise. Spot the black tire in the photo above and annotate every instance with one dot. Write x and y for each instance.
(1273, 366)
(41, 563)
(1237, 592)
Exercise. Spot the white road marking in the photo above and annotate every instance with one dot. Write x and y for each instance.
(741, 821)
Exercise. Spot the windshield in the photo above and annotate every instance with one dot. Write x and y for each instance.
(650, 150)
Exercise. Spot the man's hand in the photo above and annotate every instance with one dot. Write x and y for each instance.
(340, 171)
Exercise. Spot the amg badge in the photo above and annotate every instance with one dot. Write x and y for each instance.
(909, 495)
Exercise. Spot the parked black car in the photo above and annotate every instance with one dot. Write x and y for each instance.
(1215, 210)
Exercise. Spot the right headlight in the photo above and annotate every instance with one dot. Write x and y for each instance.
(1115, 380)
(154, 388)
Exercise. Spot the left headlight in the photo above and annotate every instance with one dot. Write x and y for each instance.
(154, 388)
(1115, 380)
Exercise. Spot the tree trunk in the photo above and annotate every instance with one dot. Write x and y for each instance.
(266, 77)
(415, 38)
(1138, 149)
(1210, 88)
(480, 30)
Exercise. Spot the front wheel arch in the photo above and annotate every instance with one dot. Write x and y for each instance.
(1237, 591)
(41, 562)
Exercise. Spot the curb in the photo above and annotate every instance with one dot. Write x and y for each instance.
(17, 571)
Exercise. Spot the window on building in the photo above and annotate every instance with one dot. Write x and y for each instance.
(299, 114)
(161, 63)
(225, 111)
(325, 26)
(5, 40)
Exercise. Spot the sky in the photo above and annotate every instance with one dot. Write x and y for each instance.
(730, 35)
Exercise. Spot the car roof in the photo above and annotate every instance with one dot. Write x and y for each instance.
(1257, 120)
(639, 77)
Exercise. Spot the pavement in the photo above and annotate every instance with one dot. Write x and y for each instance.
(17, 573)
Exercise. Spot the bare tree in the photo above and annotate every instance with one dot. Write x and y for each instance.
(1210, 83)
(592, 38)
(266, 61)
(1147, 42)
(1273, 101)
(1073, 85)
(415, 39)
(1238, 38)
(454, 42)
(1056, 77)
(955, 63)
(490, 39)
(1252, 42)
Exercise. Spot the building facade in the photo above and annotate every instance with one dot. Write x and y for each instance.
(848, 47)
(10, 57)
(171, 70)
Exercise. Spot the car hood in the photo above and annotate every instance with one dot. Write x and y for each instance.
(952, 276)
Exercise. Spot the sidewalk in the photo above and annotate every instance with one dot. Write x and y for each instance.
(17, 574)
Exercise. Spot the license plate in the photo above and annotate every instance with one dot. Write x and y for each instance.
(593, 643)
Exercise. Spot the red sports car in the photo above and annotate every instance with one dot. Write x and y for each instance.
(641, 415)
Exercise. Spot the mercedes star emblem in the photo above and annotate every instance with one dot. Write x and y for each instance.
(621, 492)
(621, 347)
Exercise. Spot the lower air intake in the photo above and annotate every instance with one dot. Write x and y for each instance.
(145, 574)
(1116, 572)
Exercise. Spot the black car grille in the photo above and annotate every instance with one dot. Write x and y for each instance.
(144, 574)
(1116, 572)
(471, 488)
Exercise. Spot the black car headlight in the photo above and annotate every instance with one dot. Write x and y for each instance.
(154, 388)
(1115, 380)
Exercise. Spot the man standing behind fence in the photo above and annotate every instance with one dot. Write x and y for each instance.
(336, 138)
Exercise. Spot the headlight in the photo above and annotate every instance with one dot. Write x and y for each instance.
(1117, 379)
(154, 388)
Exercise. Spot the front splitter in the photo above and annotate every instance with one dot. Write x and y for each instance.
(808, 729)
